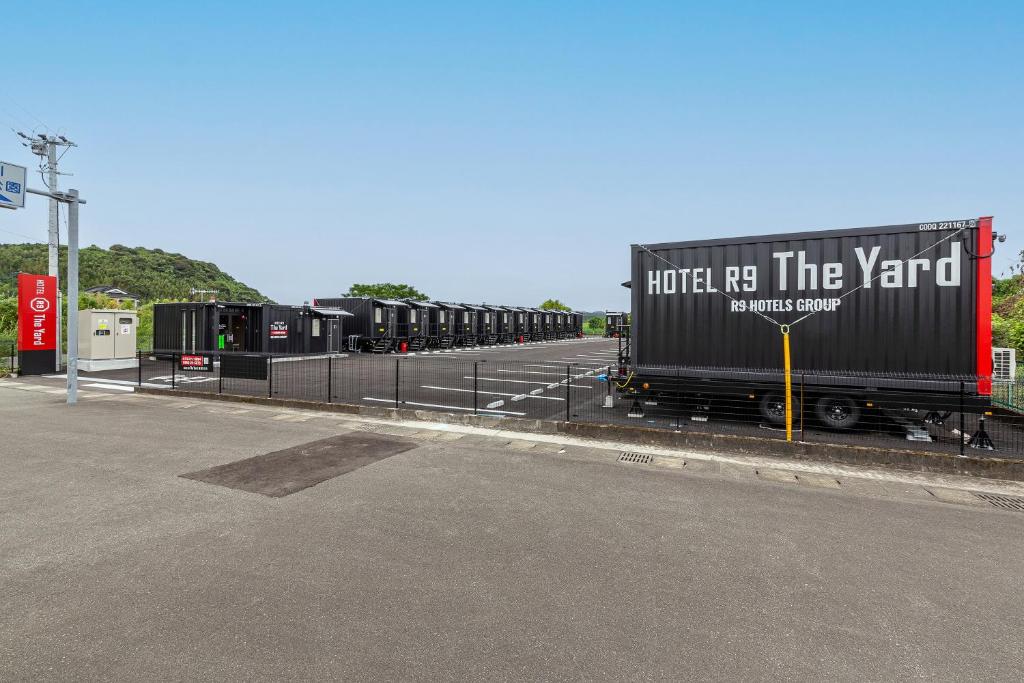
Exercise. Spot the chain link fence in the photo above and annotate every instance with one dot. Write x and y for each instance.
(956, 420)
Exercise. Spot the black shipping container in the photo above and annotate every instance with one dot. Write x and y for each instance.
(374, 325)
(421, 319)
(246, 328)
(520, 324)
(445, 322)
(613, 323)
(479, 326)
(502, 323)
(908, 306)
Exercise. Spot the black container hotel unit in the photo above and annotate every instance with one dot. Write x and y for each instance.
(901, 307)
(480, 324)
(519, 319)
(537, 331)
(613, 323)
(422, 324)
(374, 325)
(248, 328)
(445, 324)
(502, 323)
(577, 324)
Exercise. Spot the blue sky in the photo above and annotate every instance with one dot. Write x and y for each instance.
(510, 152)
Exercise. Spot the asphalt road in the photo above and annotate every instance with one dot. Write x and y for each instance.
(472, 557)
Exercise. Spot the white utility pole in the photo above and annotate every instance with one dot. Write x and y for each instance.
(46, 146)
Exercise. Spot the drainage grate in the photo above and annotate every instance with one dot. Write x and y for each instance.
(1005, 502)
(637, 458)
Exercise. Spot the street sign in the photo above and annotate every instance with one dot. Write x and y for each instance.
(12, 186)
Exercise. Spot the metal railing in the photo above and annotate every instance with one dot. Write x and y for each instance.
(902, 416)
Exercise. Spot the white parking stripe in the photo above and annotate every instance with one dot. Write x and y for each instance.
(518, 381)
(490, 393)
(435, 405)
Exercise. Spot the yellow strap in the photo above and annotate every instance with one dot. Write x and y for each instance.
(789, 385)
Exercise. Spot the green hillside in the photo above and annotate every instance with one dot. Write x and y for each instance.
(151, 273)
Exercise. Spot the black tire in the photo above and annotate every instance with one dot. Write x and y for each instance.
(837, 412)
(773, 408)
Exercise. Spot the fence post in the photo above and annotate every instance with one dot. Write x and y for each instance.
(138, 354)
(329, 379)
(961, 419)
(476, 377)
(220, 373)
(12, 358)
(397, 361)
(568, 385)
(173, 368)
(270, 376)
(803, 377)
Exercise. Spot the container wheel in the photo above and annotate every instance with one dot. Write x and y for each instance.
(773, 408)
(837, 412)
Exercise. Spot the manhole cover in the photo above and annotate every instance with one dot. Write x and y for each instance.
(637, 458)
(1005, 502)
(284, 472)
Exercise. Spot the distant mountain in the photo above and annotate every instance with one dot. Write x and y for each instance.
(150, 273)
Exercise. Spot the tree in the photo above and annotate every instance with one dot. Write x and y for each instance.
(386, 290)
(594, 325)
(554, 305)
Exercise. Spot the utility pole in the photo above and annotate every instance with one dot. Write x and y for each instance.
(46, 146)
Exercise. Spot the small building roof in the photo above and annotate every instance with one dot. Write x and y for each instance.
(111, 290)
(330, 312)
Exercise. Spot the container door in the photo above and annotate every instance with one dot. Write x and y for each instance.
(333, 335)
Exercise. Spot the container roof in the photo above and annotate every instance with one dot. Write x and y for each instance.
(422, 304)
(447, 304)
(330, 312)
(391, 302)
(474, 307)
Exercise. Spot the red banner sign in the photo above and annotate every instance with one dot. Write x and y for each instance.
(37, 312)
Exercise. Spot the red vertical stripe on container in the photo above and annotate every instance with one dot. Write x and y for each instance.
(984, 307)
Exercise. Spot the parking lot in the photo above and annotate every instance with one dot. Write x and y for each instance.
(558, 380)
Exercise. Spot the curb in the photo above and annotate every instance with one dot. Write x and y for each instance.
(901, 459)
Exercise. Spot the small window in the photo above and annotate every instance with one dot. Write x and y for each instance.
(316, 327)
(124, 321)
(520, 318)
(504, 318)
(440, 316)
(412, 315)
(378, 314)
(487, 318)
(465, 317)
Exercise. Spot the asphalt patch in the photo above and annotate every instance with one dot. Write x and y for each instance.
(282, 473)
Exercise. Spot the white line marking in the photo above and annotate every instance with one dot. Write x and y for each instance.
(491, 393)
(517, 381)
(115, 387)
(435, 405)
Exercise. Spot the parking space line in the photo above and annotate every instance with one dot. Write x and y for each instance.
(491, 393)
(435, 405)
(519, 381)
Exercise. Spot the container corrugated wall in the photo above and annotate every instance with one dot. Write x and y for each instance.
(921, 329)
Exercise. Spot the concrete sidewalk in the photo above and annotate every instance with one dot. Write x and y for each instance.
(477, 555)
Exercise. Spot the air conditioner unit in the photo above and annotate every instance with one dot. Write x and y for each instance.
(1004, 365)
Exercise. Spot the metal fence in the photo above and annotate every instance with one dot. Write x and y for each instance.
(953, 421)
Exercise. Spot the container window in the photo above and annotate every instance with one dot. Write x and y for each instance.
(465, 316)
(378, 315)
(412, 315)
(440, 316)
(487, 318)
(504, 318)
(316, 327)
